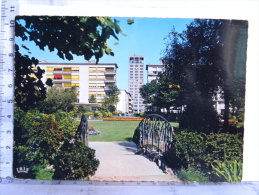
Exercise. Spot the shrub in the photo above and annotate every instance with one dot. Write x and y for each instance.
(42, 141)
(98, 114)
(199, 150)
(187, 149)
(90, 114)
(123, 119)
(223, 147)
(136, 136)
(228, 171)
(43, 173)
(191, 174)
(75, 161)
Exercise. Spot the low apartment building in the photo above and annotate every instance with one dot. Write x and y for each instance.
(89, 78)
(124, 106)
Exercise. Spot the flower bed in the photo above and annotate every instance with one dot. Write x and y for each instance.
(93, 131)
(122, 119)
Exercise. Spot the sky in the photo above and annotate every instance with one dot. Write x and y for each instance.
(144, 37)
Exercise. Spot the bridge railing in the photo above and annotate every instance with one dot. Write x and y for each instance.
(154, 135)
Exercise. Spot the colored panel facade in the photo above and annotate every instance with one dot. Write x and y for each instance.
(89, 78)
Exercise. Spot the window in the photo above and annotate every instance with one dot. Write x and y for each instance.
(92, 77)
(67, 69)
(100, 69)
(92, 93)
(91, 69)
(67, 84)
(68, 77)
(75, 77)
(100, 77)
(75, 84)
(58, 84)
(91, 85)
(75, 69)
(49, 76)
(58, 69)
(100, 85)
(49, 69)
(57, 77)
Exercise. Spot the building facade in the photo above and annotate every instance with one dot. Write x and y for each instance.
(136, 80)
(152, 71)
(90, 79)
(124, 106)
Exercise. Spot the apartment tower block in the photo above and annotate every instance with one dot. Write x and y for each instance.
(136, 80)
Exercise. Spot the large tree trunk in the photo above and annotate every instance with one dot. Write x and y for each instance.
(226, 113)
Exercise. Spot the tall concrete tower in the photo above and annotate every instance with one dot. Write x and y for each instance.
(136, 80)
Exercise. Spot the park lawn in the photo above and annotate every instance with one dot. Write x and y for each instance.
(112, 131)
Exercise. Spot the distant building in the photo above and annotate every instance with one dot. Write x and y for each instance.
(136, 80)
(124, 105)
(153, 70)
(89, 78)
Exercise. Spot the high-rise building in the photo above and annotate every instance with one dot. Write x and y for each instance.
(91, 79)
(136, 80)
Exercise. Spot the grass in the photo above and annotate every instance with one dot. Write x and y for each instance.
(192, 175)
(112, 131)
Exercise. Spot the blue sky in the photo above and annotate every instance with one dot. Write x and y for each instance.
(144, 37)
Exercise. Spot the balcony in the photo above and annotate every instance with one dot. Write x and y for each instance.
(110, 72)
(110, 80)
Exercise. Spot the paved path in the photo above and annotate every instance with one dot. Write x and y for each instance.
(118, 162)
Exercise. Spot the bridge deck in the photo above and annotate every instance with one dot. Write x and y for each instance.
(118, 162)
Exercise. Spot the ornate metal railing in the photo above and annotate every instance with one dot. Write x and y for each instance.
(155, 135)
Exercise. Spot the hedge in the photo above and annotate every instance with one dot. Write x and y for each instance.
(122, 119)
(200, 150)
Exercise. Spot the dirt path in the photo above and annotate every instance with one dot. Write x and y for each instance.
(118, 162)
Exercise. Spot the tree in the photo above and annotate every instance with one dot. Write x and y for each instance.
(148, 93)
(203, 60)
(92, 99)
(29, 89)
(68, 36)
(112, 97)
(59, 99)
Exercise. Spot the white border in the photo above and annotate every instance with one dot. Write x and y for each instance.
(225, 9)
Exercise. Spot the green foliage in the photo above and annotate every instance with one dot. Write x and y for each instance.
(44, 142)
(228, 171)
(200, 150)
(112, 98)
(59, 100)
(74, 161)
(191, 174)
(187, 149)
(203, 60)
(223, 147)
(98, 114)
(68, 127)
(81, 36)
(43, 173)
(85, 36)
(29, 89)
(136, 136)
(200, 116)
(90, 114)
(92, 99)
